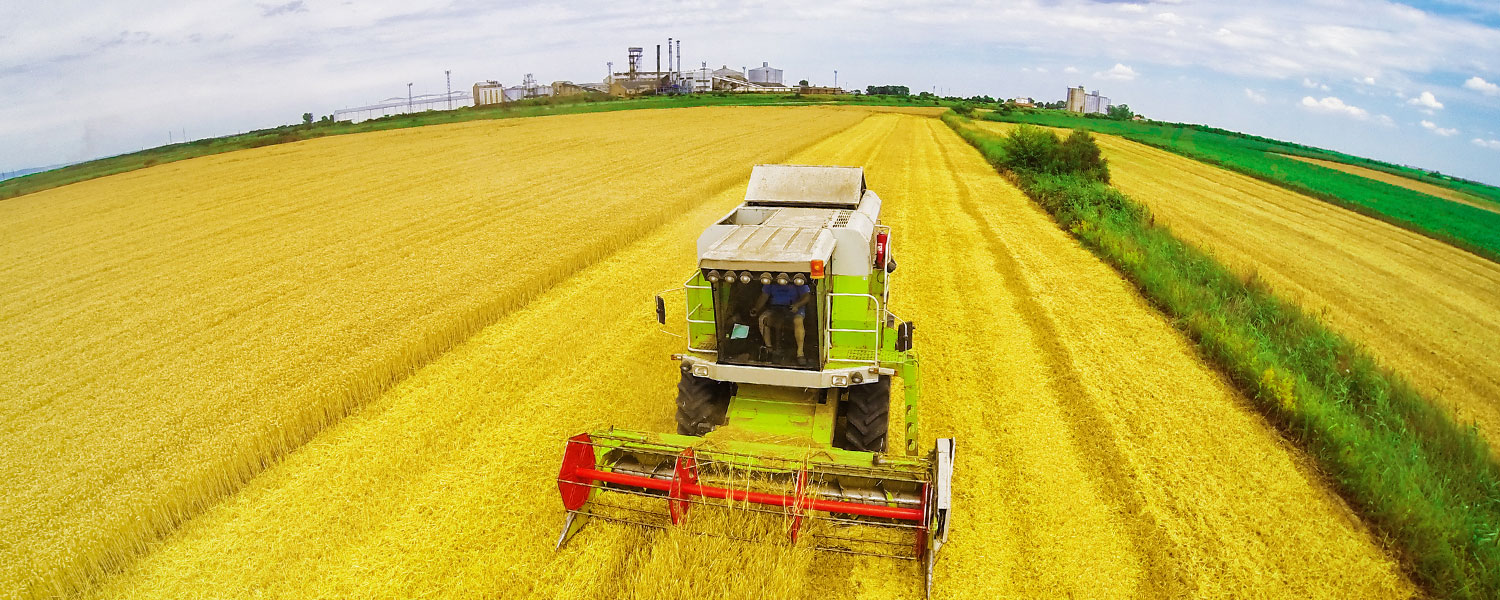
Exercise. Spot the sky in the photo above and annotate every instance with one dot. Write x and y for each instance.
(1414, 83)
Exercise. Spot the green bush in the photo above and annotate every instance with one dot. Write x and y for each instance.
(1036, 150)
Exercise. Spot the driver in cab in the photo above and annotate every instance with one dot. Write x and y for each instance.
(789, 298)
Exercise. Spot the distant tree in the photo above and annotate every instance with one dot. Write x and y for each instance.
(887, 90)
(802, 83)
(307, 118)
(1121, 112)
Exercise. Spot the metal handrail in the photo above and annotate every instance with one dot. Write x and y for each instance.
(879, 308)
(687, 285)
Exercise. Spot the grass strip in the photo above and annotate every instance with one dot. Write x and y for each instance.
(577, 104)
(1425, 484)
(1473, 229)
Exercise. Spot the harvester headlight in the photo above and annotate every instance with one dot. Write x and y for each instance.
(798, 279)
(857, 378)
(729, 277)
(700, 370)
(765, 279)
(841, 381)
(782, 279)
(745, 277)
(713, 276)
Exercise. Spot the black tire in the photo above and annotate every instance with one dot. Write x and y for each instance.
(702, 404)
(868, 416)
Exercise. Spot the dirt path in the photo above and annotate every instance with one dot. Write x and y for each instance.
(1098, 457)
(1422, 307)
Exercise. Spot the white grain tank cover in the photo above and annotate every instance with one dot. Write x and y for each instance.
(803, 185)
(769, 248)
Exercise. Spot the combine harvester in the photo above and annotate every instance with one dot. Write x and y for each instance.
(784, 402)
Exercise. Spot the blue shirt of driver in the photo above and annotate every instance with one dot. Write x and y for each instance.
(785, 295)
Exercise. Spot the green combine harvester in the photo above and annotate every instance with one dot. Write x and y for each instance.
(784, 403)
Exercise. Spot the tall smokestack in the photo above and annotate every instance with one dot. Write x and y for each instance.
(669, 54)
(658, 57)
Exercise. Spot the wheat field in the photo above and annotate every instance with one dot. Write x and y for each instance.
(172, 331)
(1098, 456)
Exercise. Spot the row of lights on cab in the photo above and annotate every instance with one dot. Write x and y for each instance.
(765, 278)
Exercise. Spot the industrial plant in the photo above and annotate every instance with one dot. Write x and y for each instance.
(1080, 101)
(634, 79)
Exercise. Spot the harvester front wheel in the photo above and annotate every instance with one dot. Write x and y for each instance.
(702, 404)
(869, 416)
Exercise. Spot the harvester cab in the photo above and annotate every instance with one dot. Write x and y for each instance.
(784, 401)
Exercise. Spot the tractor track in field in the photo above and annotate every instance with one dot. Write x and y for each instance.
(1107, 465)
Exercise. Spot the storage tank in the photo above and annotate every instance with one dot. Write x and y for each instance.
(765, 74)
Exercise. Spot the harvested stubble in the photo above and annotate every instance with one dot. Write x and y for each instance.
(1406, 182)
(1098, 457)
(171, 331)
(1424, 308)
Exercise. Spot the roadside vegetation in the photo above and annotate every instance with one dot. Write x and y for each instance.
(1474, 229)
(1425, 484)
(308, 129)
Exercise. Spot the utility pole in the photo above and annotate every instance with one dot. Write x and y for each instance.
(449, 75)
(835, 79)
(408, 98)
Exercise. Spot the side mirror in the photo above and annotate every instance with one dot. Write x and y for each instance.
(903, 336)
(661, 311)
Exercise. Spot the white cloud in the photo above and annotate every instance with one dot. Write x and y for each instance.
(1070, 70)
(1169, 18)
(1491, 144)
(1442, 131)
(1426, 100)
(1255, 96)
(1333, 105)
(1367, 80)
(1308, 83)
(230, 66)
(1478, 84)
(1118, 72)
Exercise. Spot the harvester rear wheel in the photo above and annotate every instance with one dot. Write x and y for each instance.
(702, 404)
(869, 415)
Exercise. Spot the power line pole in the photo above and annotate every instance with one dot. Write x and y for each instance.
(408, 98)
(449, 75)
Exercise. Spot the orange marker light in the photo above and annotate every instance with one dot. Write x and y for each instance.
(817, 269)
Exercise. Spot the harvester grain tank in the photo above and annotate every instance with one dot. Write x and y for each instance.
(784, 399)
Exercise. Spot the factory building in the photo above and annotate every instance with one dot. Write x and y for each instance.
(488, 92)
(568, 88)
(1075, 99)
(1087, 103)
(765, 74)
(819, 89)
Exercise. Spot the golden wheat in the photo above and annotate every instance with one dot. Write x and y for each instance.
(172, 331)
(1097, 456)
